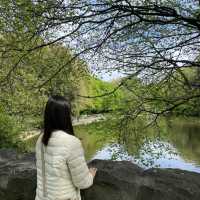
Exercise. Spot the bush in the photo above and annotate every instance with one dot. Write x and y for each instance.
(9, 131)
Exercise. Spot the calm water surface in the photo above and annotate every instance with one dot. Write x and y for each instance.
(177, 146)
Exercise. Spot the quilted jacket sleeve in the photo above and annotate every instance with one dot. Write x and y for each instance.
(81, 176)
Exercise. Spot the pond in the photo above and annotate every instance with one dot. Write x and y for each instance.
(176, 145)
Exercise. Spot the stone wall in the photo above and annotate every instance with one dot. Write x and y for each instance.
(115, 180)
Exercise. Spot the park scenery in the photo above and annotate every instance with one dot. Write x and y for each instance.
(131, 72)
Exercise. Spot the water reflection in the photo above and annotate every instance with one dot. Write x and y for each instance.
(178, 144)
(177, 147)
(184, 134)
(152, 154)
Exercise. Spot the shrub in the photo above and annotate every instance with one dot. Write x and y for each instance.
(9, 131)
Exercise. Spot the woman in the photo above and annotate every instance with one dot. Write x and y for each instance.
(61, 167)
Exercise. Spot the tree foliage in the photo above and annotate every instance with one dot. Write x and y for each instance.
(94, 87)
(153, 41)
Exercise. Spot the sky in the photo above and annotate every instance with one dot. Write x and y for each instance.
(109, 76)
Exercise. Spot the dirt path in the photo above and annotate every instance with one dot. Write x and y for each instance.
(83, 120)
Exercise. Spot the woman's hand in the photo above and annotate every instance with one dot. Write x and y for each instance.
(93, 171)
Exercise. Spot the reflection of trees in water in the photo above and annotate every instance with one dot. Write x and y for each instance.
(147, 156)
(154, 150)
(184, 134)
(143, 147)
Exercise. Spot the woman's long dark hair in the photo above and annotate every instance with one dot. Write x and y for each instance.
(57, 116)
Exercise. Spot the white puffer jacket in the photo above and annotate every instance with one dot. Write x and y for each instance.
(66, 171)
